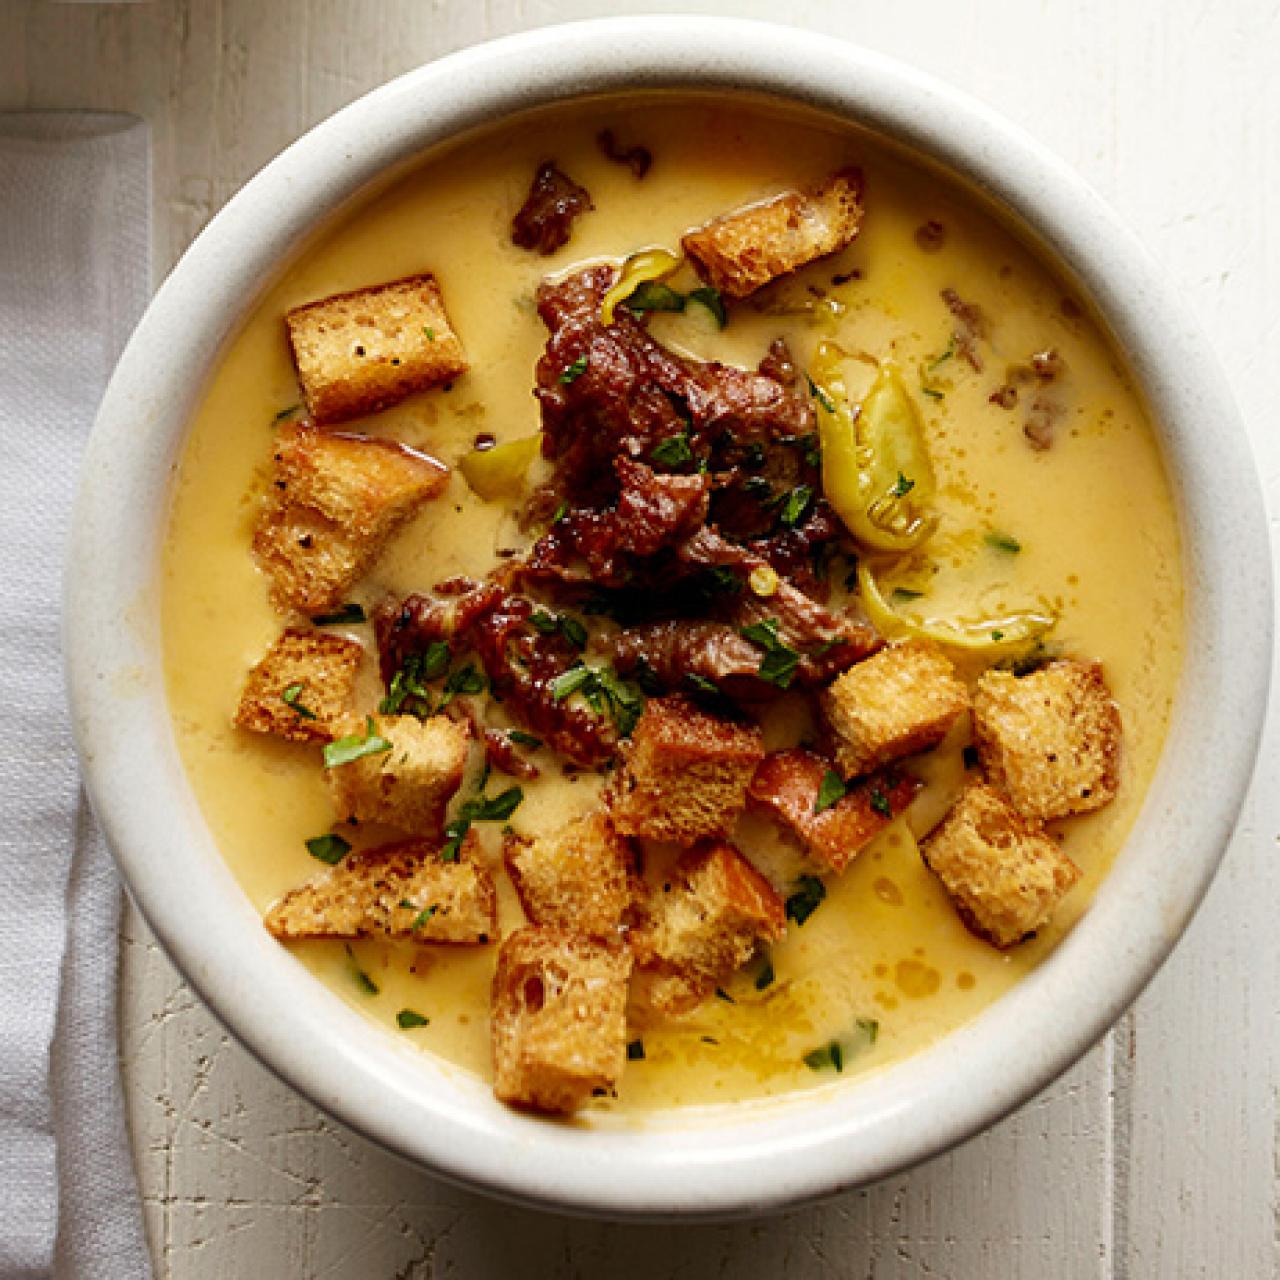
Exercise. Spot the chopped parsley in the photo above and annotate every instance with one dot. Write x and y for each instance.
(997, 636)
(355, 746)
(635, 1050)
(363, 981)
(560, 512)
(461, 680)
(796, 505)
(765, 977)
(422, 917)
(831, 791)
(408, 693)
(330, 849)
(407, 1019)
(820, 395)
(834, 1054)
(933, 393)
(575, 370)
(1004, 542)
(524, 739)
(429, 332)
(906, 594)
(722, 994)
(479, 808)
(807, 898)
(605, 692)
(902, 486)
(347, 613)
(653, 295)
(711, 299)
(674, 451)
(287, 413)
(778, 666)
(549, 623)
(880, 803)
(291, 694)
(722, 580)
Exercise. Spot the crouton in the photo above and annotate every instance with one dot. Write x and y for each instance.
(407, 783)
(580, 877)
(744, 250)
(704, 924)
(898, 702)
(787, 786)
(302, 687)
(558, 1018)
(398, 890)
(1004, 874)
(360, 352)
(684, 774)
(335, 501)
(1049, 740)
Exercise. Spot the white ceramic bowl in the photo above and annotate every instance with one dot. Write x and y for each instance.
(758, 1156)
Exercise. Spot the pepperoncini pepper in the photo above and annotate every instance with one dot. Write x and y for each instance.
(876, 471)
(640, 268)
(499, 472)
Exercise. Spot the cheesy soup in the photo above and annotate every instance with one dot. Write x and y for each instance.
(669, 603)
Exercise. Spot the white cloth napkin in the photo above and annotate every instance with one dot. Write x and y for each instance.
(74, 276)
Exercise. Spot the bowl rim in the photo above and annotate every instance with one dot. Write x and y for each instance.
(764, 1156)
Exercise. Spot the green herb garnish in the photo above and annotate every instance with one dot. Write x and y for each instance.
(905, 594)
(363, 981)
(796, 505)
(290, 695)
(635, 1050)
(407, 1019)
(778, 666)
(831, 791)
(902, 486)
(674, 451)
(766, 975)
(571, 681)
(287, 413)
(933, 393)
(834, 1054)
(1005, 542)
(711, 299)
(653, 295)
(346, 614)
(575, 370)
(820, 395)
(408, 692)
(880, 803)
(430, 332)
(830, 1055)
(524, 739)
(605, 691)
(560, 512)
(462, 680)
(807, 898)
(355, 746)
(330, 849)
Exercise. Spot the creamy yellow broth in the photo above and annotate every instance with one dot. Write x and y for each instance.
(1093, 516)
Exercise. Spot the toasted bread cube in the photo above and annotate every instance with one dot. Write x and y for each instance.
(558, 1018)
(684, 774)
(704, 924)
(302, 687)
(400, 890)
(744, 250)
(1004, 874)
(898, 702)
(335, 500)
(787, 785)
(1049, 740)
(580, 877)
(360, 352)
(409, 785)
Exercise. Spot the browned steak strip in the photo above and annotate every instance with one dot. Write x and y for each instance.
(545, 220)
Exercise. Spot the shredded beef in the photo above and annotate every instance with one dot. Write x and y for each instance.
(501, 754)
(545, 220)
(971, 327)
(520, 661)
(637, 158)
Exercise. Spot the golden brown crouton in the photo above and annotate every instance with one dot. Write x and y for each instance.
(558, 1018)
(335, 500)
(744, 250)
(684, 774)
(398, 890)
(704, 924)
(580, 877)
(302, 688)
(408, 782)
(787, 786)
(360, 352)
(1003, 872)
(1050, 740)
(899, 701)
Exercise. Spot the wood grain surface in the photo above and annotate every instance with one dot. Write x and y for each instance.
(1157, 1156)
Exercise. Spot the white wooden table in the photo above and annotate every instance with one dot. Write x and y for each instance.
(1156, 1156)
